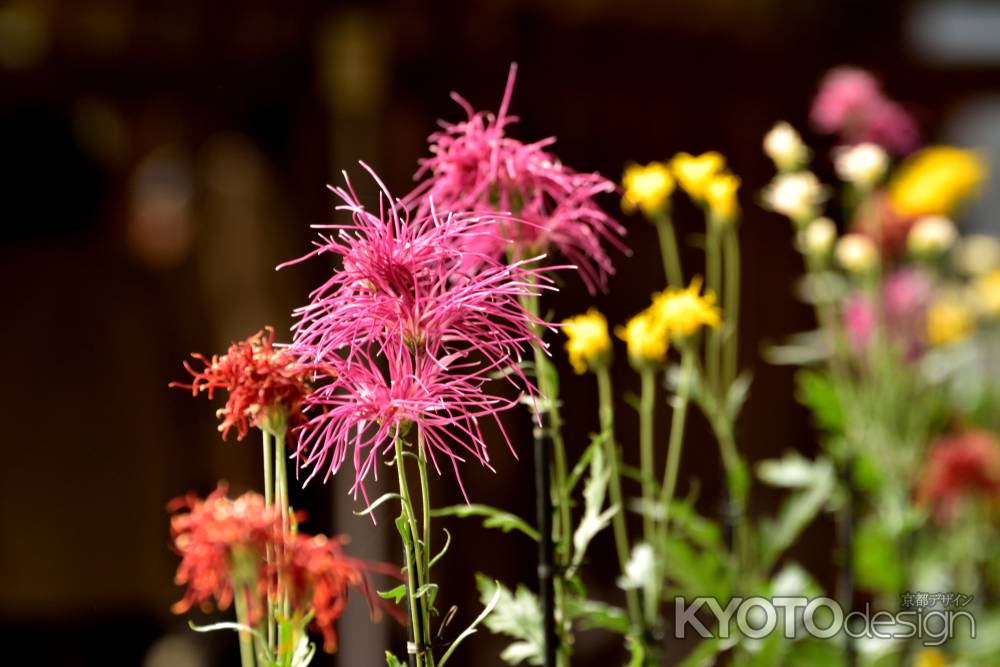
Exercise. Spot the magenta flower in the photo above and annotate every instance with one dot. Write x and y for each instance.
(409, 338)
(904, 297)
(366, 407)
(850, 103)
(475, 167)
(407, 277)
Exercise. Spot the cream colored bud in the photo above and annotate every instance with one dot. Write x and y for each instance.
(818, 237)
(863, 165)
(977, 254)
(856, 253)
(931, 235)
(796, 195)
(785, 148)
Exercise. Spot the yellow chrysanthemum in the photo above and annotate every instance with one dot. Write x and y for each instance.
(949, 320)
(931, 657)
(649, 187)
(935, 181)
(589, 344)
(694, 173)
(683, 312)
(986, 290)
(720, 194)
(647, 339)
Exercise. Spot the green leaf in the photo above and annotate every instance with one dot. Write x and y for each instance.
(799, 509)
(444, 549)
(595, 614)
(517, 615)
(392, 661)
(495, 518)
(395, 594)
(816, 391)
(706, 652)
(594, 520)
(793, 471)
(737, 395)
(596, 441)
(877, 561)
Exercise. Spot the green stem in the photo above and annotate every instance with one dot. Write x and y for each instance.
(668, 250)
(411, 554)
(243, 618)
(607, 414)
(647, 460)
(272, 637)
(676, 442)
(731, 304)
(425, 500)
(736, 483)
(713, 279)
(283, 506)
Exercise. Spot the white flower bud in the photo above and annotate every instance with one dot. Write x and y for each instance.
(784, 146)
(863, 165)
(977, 254)
(856, 253)
(818, 237)
(931, 235)
(796, 195)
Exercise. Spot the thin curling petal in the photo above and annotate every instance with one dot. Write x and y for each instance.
(475, 167)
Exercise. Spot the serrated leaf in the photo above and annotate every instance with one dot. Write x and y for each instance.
(595, 614)
(797, 511)
(816, 391)
(595, 518)
(517, 615)
(494, 518)
(392, 661)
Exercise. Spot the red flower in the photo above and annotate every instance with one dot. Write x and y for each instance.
(210, 536)
(260, 379)
(320, 577)
(958, 466)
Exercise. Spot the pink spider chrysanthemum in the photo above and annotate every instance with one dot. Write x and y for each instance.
(363, 411)
(474, 166)
(408, 277)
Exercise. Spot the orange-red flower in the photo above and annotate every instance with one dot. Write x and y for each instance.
(211, 535)
(959, 466)
(262, 381)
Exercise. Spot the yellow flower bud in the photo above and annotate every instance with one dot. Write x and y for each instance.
(817, 238)
(720, 194)
(949, 319)
(694, 173)
(986, 290)
(647, 187)
(977, 254)
(588, 344)
(935, 181)
(931, 657)
(647, 340)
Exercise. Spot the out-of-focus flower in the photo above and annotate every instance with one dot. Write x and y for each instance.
(936, 180)
(856, 253)
(785, 147)
(949, 318)
(647, 187)
(960, 466)
(931, 657)
(647, 339)
(320, 577)
(862, 165)
(720, 195)
(694, 173)
(817, 237)
(850, 103)
(977, 254)
(263, 382)
(214, 536)
(640, 570)
(904, 297)
(986, 291)
(796, 195)
(589, 345)
(931, 235)
(407, 278)
(682, 312)
(474, 167)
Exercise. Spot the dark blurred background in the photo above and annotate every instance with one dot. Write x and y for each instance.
(162, 157)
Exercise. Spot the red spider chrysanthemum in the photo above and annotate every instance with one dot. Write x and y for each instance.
(960, 466)
(475, 167)
(320, 577)
(262, 381)
(215, 537)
